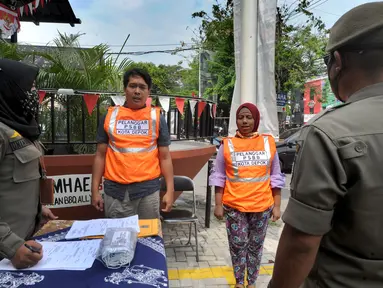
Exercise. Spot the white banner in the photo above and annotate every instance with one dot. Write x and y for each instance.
(165, 103)
(254, 42)
(73, 190)
(118, 100)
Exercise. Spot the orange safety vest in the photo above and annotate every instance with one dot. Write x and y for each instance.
(248, 162)
(132, 154)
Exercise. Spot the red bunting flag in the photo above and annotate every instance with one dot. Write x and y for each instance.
(180, 102)
(149, 102)
(193, 94)
(201, 107)
(42, 96)
(42, 3)
(91, 101)
(214, 110)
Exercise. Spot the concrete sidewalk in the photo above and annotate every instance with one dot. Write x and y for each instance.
(214, 268)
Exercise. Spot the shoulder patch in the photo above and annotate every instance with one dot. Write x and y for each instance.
(325, 112)
(15, 134)
(19, 144)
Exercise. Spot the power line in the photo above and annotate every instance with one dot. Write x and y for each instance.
(132, 45)
(139, 53)
(327, 12)
(312, 6)
(320, 4)
(296, 13)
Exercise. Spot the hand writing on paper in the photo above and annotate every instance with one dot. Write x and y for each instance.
(25, 258)
(97, 201)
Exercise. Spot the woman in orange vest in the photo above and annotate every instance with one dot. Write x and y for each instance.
(248, 181)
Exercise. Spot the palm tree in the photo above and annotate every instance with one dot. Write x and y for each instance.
(67, 65)
(10, 51)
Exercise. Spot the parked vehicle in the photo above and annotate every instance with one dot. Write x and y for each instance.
(287, 133)
(286, 152)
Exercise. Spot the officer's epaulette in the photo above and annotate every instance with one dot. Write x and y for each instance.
(325, 112)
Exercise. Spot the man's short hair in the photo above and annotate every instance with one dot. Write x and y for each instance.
(137, 72)
(368, 60)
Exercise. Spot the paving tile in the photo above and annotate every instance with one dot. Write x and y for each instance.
(213, 248)
(186, 282)
(174, 283)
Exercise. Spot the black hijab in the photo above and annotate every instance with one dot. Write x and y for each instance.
(16, 82)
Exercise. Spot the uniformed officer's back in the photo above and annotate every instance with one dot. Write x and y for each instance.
(356, 130)
(334, 218)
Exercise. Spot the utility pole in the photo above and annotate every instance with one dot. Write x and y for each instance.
(119, 53)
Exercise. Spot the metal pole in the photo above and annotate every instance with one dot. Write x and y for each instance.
(208, 195)
(249, 51)
(200, 74)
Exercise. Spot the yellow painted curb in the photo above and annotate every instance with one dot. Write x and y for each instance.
(212, 272)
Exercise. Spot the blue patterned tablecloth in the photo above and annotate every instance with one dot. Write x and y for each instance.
(148, 269)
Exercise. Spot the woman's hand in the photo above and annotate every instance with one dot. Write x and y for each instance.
(276, 213)
(218, 212)
(48, 214)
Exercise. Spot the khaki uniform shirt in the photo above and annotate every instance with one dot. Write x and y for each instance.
(19, 190)
(337, 191)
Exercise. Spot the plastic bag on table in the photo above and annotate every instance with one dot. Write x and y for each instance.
(118, 247)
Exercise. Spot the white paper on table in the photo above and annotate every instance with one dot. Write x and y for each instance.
(98, 227)
(75, 255)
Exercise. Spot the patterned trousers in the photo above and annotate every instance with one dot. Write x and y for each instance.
(246, 233)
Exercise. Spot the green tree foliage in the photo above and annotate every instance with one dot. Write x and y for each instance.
(67, 65)
(10, 51)
(216, 34)
(172, 79)
(299, 47)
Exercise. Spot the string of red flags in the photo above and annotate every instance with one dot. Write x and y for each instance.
(198, 104)
(31, 7)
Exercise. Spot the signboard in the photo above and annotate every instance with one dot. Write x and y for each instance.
(281, 99)
(311, 104)
(73, 190)
(281, 109)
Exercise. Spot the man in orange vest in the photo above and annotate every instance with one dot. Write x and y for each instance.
(132, 154)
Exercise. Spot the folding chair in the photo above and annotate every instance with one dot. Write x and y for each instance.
(182, 216)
